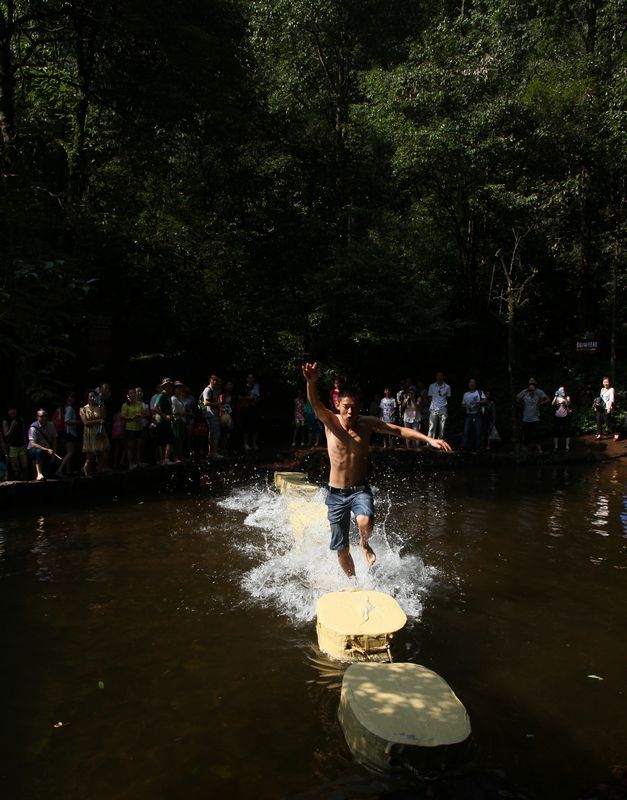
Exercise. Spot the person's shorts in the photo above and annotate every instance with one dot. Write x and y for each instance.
(133, 435)
(531, 432)
(16, 452)
(561, 426)
(213, 423)
(39, 456)
(340, 504)
(164, 433)
(414, 426)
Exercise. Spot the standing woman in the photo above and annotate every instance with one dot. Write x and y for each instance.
(604, 406)
(95, 439)
(133, 416)
(410, 407)
(561, 420)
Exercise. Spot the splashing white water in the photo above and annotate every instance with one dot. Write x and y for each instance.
(294, 571)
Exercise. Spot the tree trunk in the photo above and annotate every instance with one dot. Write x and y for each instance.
(7, 93)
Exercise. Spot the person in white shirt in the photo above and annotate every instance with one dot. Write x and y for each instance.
(387, 413)
(439, 393)
(604, 407)
(211, 403)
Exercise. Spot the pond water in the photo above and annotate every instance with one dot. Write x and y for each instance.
(161, 647)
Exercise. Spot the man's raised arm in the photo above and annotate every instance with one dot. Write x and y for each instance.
(311, 373)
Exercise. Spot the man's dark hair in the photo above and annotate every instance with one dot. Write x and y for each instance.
(348, 392)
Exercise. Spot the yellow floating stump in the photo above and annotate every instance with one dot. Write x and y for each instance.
(294, 483)
(359, 625)
(390, 712)
(308, 519)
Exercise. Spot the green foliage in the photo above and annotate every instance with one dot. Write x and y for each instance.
(256, 182)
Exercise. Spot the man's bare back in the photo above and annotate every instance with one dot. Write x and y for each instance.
(348, 442)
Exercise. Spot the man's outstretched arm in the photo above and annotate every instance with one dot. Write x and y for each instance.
(408, 433)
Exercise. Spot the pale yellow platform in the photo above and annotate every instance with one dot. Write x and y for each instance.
(308, 518)
(385, 708)
(356, 625)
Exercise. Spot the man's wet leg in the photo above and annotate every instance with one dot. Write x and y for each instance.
(366, 525)
(346, 561)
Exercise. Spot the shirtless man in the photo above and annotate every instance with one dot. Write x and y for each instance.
(348, 441)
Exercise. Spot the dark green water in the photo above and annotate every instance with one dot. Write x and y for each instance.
(171, 639)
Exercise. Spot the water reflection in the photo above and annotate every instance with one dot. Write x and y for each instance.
(556, 520)
(601, 515)
(196, 616)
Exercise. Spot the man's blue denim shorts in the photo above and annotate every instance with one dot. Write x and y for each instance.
(340, 503)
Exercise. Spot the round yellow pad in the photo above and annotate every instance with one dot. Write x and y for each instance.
(400, 703)
(364, 613)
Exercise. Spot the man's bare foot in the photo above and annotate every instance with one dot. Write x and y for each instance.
(368, 553)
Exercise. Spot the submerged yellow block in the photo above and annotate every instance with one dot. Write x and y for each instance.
(356, 625)
(308, 519)
(386, 708)
(294, 483)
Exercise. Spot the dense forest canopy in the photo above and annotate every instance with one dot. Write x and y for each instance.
(389, 187)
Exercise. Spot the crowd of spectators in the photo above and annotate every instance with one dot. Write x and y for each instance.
(101, 434)
(427, 410)
(173, 426)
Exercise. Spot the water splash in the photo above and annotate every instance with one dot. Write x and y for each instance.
(291, 572)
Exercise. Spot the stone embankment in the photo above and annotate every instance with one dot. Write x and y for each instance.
(220, 473)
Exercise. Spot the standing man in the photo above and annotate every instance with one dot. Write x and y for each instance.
(439, 393)
(348, 440)
(211, 402)
(532, 398)
(164, 435)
